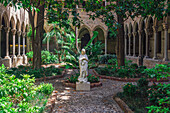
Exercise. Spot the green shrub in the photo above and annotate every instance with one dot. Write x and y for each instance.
(37, 73)
(108, 59)
(129, 89)
(73, 79)
(91, 78)
(159, 98)
(143, 82)
(134, 66)
(45, 88)
(29, 54)
(19, 95)
(159, 71)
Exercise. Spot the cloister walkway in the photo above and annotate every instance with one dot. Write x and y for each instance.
(99, 99)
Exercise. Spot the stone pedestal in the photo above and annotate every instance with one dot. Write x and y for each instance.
(14, 60)
(7, 62)
(19, 60)
(83, 86)
(24, 59)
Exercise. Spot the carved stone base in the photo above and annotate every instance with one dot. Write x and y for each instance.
(19, 60)
(14, 61)
(83, 86)
(7, 62)
(25, 61)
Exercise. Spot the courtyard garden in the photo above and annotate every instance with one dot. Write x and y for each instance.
(68, 67)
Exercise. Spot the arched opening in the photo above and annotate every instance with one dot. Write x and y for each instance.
(136, 40)
(150, 38)
(21, 38)
(53, 43)
(131, 39)
(159, 41)
(127, 42)
(16, 37)
(84, 36)
(143, 40)
(100, 37)
(11, 39)
(3, 38)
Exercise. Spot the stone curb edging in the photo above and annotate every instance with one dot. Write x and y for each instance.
(125, 108)
(73, 85)
(51, 102)
(51, 77)
(127, 79)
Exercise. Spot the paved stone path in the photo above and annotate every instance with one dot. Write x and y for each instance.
(98, 100)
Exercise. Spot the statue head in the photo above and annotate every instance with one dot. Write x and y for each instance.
(83, 51)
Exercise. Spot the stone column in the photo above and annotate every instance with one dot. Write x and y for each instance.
(140, 42)
(7, 61)
(23, 35)
(14, 58)
(19, 49)
(48, 44)
(7, 29)
(24, 56)
(125, 44)
(155, 29)
(134, 38)
(129, 42)
(105, 45)
(165, 26)
(147, 43)
(0, 38)
(13, 35)
(19, 57)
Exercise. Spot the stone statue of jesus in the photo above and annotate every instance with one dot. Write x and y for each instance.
(83, 64)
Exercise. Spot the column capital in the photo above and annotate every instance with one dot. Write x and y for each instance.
(23, 34)
(146, 30)
(7, 29)
(129, 34)
(1, 27)
(134, 34)
(19, 33)
(13, 31)
(165, 26)
(140, 32)
(155, 29)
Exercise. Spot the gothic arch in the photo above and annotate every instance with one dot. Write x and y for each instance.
(130, 28)
(135, 25)
(148, 21)
(12, 21)
(141, 23)
(126, 29)
(6, 18)
(18, 25)
(23, 27)
(102, 28)
(85, 27)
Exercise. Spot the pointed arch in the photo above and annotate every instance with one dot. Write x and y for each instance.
(6, 18)
(12, 22)
(18, 25)
(130, 28)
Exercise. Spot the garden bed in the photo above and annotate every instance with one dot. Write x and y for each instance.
(122, 104)
(73, 85)
(39, 74)
(51, 77)
(131, 104)
(127, 79)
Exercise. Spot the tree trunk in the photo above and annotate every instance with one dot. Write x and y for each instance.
(120, 41)
(37, 40)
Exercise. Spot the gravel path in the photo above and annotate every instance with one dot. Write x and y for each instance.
(97, 100)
